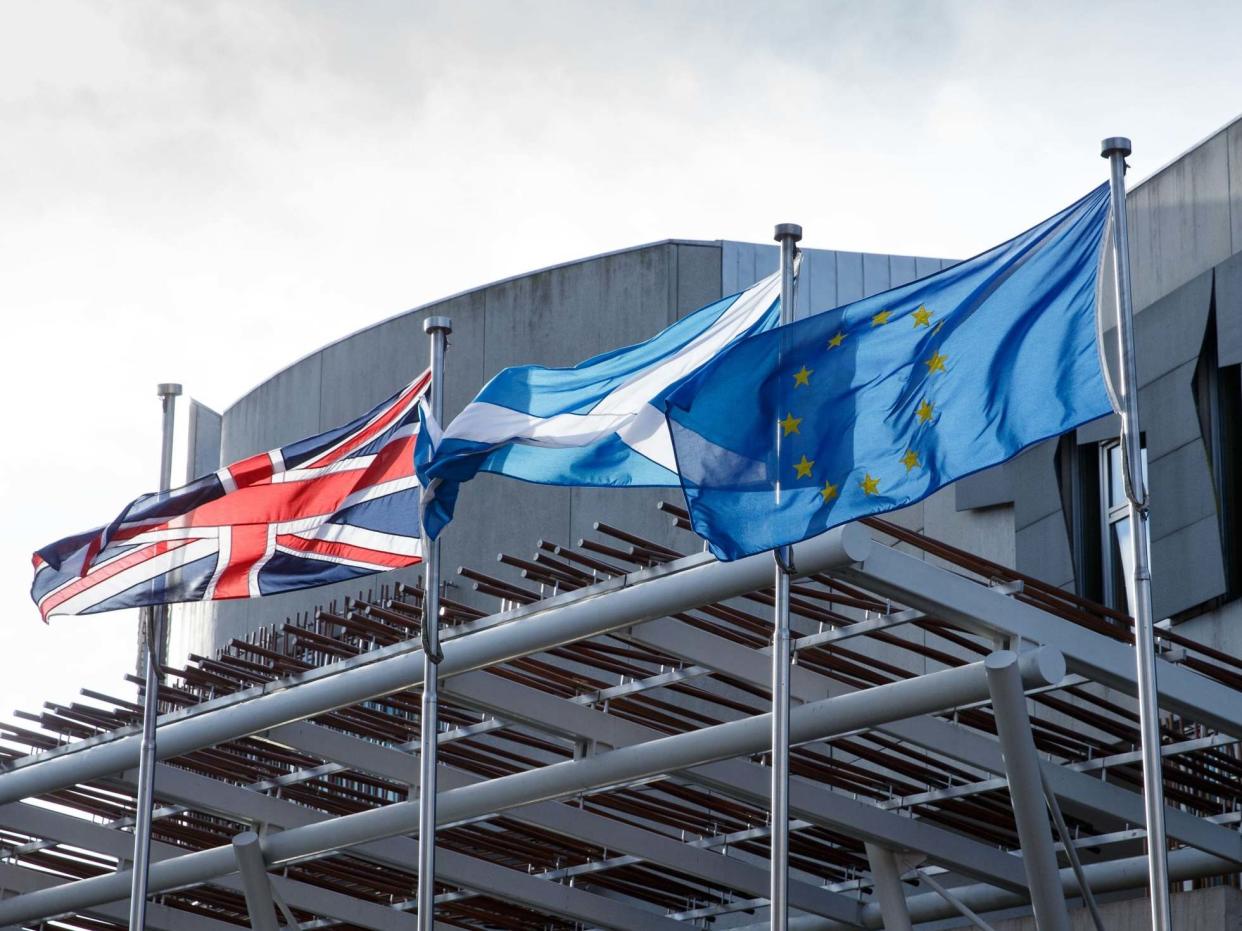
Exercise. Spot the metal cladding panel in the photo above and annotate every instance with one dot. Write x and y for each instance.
(1186, 496)
(282, 409)
(1233, 136)
(1186, 567)
(1228, 285)
(744, 263)
(360, 372)
(988, 532)
(1034, 474)
(1180, 220)
(1042, 550)
(203, 445)
(984, 489)
(828, 278)
(849, 277)
(1169, 417)
(693, 275)
(699, 277)
(1106, 428)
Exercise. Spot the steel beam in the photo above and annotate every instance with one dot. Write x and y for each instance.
(257, 889)
(640, 596)
(20, 881)
(1085, 796)
(398, 852)
(1113, 876)
(713, 868)
(749, 781)
(80, 832)
(888, 888)
(1026, 795)
(911, 581)
(936, 691)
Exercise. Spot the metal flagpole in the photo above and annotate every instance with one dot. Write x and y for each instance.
(787, 234)
(155, 619)
(1115, 150)
(438, 328)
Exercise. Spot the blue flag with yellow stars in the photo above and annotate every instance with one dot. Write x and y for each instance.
(875, 405)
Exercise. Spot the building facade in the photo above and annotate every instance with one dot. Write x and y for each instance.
(1053, 513)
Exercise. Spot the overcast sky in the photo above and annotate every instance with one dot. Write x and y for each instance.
(203, 192)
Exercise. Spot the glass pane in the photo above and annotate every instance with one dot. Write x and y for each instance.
(1122, 565)
(1116, 481)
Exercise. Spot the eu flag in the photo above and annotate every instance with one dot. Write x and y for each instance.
(875, 405)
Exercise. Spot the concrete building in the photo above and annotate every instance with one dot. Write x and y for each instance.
(1047, 513)
(554, 316)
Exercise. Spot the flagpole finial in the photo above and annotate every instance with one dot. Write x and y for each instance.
(431, 324)
(788, 231)
(1119, 144)
(167, 389)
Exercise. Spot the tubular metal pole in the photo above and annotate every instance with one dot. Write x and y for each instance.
(438, 328)
(256, 887)
(1026, 794)
(155, 620)
(889, 891)
(787, 234)
(1115, 150)
(1071, 852)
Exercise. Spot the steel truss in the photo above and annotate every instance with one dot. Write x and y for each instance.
(603, 753)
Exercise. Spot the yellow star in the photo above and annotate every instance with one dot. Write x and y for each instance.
(803, 377)
(910, 460)
(925, 411)
(836, 340)
(922, 316)
(804, 467)
(936, 363)
(828, 492)
(790, 424)
(881, 318)
(870, 486)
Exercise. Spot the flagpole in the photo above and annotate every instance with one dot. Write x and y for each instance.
(438, 328)
(1115, 150)
(155, 619)
(787, 234)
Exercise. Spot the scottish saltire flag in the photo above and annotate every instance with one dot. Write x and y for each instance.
(326, 509)
(598, 423)
(878, 403)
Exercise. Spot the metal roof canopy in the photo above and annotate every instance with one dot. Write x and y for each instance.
(604, 745)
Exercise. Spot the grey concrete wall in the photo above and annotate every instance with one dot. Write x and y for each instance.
(558, 316)
(203, 441)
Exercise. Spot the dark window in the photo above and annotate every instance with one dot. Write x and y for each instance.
(1097, 518)
(1218, 398)
(1079, 478)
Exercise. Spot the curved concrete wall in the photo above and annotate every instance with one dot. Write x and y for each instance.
(556, 316)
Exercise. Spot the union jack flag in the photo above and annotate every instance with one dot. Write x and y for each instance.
(326, 509)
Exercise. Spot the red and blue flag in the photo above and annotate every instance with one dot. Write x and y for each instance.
(325, 509)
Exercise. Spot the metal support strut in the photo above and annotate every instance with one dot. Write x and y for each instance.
(888, 888)
(1116, 149)
(155, 619)
(1026, 795)
(438, 328)
(255, 885)
(787, 234)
